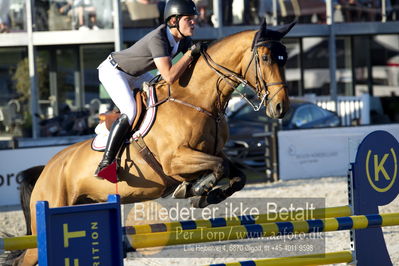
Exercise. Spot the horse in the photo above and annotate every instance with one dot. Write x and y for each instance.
(186, 138)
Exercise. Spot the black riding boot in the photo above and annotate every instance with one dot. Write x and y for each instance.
(117, 136)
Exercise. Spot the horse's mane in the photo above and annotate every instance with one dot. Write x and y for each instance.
(215, 42)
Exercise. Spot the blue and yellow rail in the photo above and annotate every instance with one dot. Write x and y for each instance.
(202, 235)
(25, 242)
(298, 215)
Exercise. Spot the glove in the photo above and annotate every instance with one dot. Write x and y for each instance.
(196, 49)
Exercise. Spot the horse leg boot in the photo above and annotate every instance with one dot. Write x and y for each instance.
(203, 185)
(218, 194)
(195, 188)
(117, 137)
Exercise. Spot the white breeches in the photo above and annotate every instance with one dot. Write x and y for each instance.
(119, 86)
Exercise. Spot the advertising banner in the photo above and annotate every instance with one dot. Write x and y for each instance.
(14, 161)
(314, 153)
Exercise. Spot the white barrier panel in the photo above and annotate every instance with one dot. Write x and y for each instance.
(323, 152)
(14, 161)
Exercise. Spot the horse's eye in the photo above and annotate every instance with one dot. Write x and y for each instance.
(265, 57)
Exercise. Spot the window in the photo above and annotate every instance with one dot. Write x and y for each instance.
(302, 116)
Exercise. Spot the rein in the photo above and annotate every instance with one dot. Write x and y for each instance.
(197, 108)
(217, 117)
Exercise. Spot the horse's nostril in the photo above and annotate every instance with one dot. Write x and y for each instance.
(278, 108)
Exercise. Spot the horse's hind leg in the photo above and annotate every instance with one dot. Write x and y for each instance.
(29, 179)
(28, 258)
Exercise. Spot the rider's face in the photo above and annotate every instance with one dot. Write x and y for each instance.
(186, 25)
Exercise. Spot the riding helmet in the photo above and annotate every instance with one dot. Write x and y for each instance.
(179, 8)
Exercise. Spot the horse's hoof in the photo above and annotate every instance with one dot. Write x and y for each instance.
(199, 201)
(217, 195)
(182, 190)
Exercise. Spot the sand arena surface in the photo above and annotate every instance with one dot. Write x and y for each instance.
(332, 189)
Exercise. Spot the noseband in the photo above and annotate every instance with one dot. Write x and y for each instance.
(234, 79)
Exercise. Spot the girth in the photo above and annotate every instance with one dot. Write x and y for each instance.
(148, 156)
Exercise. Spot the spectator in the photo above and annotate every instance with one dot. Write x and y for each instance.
(161, 7)
(202, 6)
(350, 10)
(371, 9)
(265, 10)
(41, 15)
(65, 8)
(249, 16)
(86, 12)
(227, 7)
(4, 16)
(83, 13)
(394, 12)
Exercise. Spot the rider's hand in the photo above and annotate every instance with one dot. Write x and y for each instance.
(196, 49)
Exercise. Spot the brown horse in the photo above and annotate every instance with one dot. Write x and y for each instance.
(187, 136)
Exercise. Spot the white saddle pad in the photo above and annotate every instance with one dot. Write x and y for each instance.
(102, 133)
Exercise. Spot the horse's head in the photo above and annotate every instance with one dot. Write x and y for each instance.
(265, 70)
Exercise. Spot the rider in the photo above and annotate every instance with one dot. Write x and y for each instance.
(129, 68)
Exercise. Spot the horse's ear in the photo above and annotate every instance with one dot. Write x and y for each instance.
(261, 33)
(263, 28)
(286, 29)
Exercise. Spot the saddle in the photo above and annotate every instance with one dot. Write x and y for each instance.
(141, 103)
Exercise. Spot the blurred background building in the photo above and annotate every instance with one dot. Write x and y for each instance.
(50, 50)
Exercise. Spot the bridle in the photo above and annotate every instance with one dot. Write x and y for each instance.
(234, 79)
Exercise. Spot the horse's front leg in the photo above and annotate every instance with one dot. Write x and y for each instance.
(237, 180)
(187, 161)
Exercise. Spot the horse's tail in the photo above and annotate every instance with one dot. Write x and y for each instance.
(29, 178)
